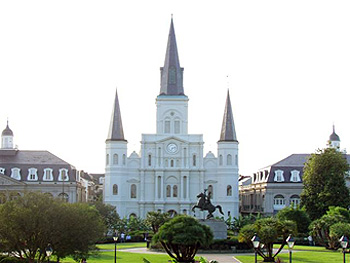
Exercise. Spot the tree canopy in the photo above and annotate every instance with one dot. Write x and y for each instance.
(182, 236)
(296, 214)
(269, 230)
(324, 182)
(30, 223)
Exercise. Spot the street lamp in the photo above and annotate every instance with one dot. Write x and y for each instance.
(344, 243)
(115, 238)
(48, 251)
(256, 243)
(290, 242)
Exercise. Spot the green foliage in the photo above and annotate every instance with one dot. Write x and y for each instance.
(326, 230)
(296, 214)
(324, 183)
(237, 223)
(156, 219)
(108, 213)
(30, 223)
(269, 230)
(182, 236)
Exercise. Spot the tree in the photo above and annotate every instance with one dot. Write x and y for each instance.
(328, 229)
(182, 236)
(324, 183)
(30, 223)
(156, 219)
(108, 213)
(269, 230)
(296, 214)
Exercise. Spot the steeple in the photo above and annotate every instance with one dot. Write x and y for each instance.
(7, 138)
(171, 74)
(116, 127)
(228, 132)
(334, 140)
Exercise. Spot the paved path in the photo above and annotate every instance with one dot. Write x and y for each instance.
(220, 257)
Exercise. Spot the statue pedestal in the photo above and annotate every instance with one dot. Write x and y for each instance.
(218, 227)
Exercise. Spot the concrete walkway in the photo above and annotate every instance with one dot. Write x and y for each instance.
(220, 257)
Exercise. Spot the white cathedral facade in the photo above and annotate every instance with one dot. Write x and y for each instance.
(171, 168)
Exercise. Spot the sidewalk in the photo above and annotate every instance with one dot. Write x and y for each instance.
(221, 258)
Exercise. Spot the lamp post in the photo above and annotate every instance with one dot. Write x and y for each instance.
(115, 238)
(256, 243)
(48, 251)
(290, 242)
(344, 243)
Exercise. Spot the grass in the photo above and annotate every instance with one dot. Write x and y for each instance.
(300, 256)
(123, 257)
(110, 246)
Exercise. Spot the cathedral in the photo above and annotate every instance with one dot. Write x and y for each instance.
(171, 169)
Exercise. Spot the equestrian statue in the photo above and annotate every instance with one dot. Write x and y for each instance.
(204, 204)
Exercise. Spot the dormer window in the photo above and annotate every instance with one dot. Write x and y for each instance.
(32, 174)
(16, 173)
(63, 175)
(48, 174)
(295, 176)
(279, 176)
(2, 170)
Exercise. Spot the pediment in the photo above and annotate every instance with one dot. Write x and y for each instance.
(5, 180)
(210, 182)
(133, 181)
(172, 138)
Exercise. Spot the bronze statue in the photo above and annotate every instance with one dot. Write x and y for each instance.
(204, 203)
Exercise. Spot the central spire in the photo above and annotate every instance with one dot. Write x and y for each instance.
(171, 74)
(228, 132)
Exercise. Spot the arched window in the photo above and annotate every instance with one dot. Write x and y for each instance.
(295, 200)
(64, 197)
(132, 215)
(115, 158)
(172, 213)
(229, 190)
(229, 159)
(124, 159)
(279, 202)
(149, 160)
(177, 126)
(107, 159)
(115, 189)
(175, 191)
(133, 191)
(220, 159)
(171, 163)
(168, 191)
(194, 160)
(210, 191)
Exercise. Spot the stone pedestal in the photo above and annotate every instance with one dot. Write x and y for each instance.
(218, 227)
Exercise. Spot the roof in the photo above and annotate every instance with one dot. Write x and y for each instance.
(31, 158)
(116, 132)
(228, 132)
(171, 74)
(295, 160)
(7, 131)
(334, 137)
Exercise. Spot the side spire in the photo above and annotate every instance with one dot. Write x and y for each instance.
(116, 132)
(228, 132)
(171, 74)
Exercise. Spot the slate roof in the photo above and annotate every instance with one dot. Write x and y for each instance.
(116, 132)
(334, 137)
(34, 159)
(228, 132)
(171, 74)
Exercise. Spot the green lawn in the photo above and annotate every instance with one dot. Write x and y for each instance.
(303, 257)
(121, 245)
(123, 257)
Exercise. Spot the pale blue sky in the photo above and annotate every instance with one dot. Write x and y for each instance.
(288, 64)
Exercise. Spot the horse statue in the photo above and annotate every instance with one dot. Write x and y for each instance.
(204, 203)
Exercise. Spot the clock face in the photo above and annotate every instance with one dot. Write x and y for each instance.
(172, 148)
